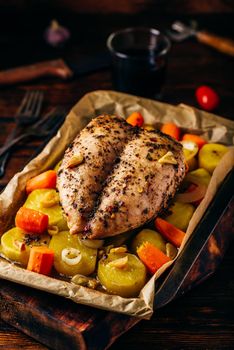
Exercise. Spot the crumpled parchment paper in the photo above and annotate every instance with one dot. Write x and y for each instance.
(210, 126)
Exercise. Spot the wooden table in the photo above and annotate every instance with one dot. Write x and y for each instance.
(204, 318)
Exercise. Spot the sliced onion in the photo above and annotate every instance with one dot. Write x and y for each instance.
(53, 230)
(73, 259)
(189, 197)
(196, 194)
(92, 243)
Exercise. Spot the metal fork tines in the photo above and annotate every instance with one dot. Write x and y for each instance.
(30, 107)
(27, 113)
(46, 126)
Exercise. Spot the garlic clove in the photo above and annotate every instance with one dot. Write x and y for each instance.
(75, 160)
(168, 158)
(20, 245)
(120, 263)
(49, 200)
(118, 250)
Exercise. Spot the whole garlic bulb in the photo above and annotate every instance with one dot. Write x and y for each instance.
(56, 35)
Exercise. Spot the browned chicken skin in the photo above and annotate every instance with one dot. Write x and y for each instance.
(120, 184)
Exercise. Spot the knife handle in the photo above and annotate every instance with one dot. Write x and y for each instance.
(55, 68)
(219, 43)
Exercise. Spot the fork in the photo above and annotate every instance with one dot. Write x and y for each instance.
(27, 113)
(46, 126)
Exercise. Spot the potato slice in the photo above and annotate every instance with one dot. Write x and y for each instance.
(36, 200)
(147, 235)
(122, 274)
(16, 244)
(210, 155)
(202, 175)
(181, 214)
(71, 256)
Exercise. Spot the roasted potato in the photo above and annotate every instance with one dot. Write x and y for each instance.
(47, 202)
(71, 256)
(122, 274)
(16, 244)
(147, 235)
(180, 215)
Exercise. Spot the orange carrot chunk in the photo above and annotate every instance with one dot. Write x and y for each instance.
(135, 119)
(41, 260)
(172, 130)
(170, 232)
(195, 138)
(32, 221)
(152, 257)
(43, 180)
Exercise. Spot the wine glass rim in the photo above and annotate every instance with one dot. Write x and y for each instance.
(156, 32)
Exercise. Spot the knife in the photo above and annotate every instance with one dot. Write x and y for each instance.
(171, 286)
(56, 68)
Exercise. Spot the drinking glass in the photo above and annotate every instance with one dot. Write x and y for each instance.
(139, 60)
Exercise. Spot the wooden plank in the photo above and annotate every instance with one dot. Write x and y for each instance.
(16, 341)
(57, 322)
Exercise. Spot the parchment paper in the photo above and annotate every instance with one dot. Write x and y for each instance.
(212, 127)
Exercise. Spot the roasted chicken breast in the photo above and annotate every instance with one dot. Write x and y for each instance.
(98, 145)
(113, 177)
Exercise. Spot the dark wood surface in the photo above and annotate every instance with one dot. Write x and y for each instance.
(125, 6)
(202, 319)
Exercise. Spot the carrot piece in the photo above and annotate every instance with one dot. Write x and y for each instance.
(43, 180)
(135, 119)
(171, 233)
(41, 260)
(195, 138)
(172, 130)
(152, 257)
(31, 220)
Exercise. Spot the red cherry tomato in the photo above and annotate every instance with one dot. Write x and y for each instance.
(207, 98)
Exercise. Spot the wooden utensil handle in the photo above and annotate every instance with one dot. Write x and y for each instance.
(56, 68)
(217, 42)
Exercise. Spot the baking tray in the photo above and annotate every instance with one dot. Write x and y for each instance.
(197, 261)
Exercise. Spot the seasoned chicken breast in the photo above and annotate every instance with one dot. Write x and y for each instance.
(98, 146)
(122, 182)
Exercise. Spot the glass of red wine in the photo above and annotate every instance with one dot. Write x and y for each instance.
(139, 60)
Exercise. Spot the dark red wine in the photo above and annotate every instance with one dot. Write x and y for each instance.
(139, 71)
